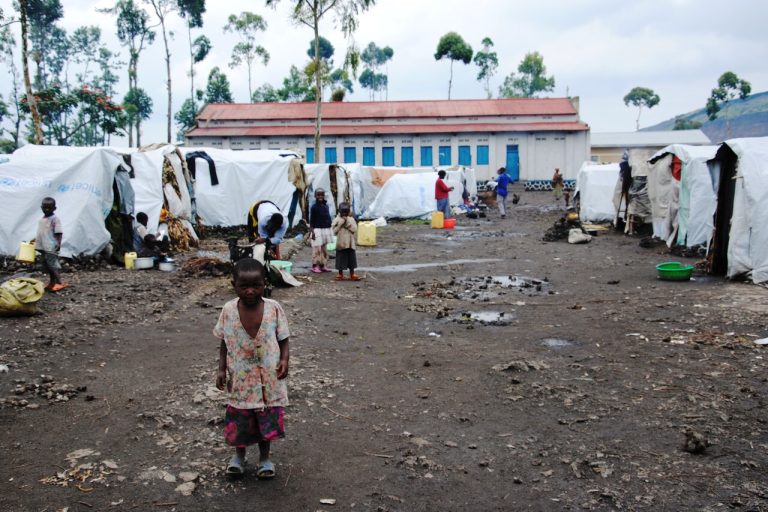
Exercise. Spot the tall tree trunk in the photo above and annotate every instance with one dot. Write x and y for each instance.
(191, 65)
(250, 87)
(450, 80)
(130, 85)
(168, 83)
(31, 100)
(637, 121)
(318, 90)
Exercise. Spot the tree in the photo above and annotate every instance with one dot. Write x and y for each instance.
(531, 80)
(138, 107)
(326, 49)
(452, 46)
(217, 90)
(295, 87)
(641, 97)
(488, 63)
(134, 32)
(30, 97)
(42, 16)
(309, 13)
(686, 124)
(729, 87)
(186, 117)
(266, 94)
(247, 26)
(7, 45)
(373, 58)
(162, 9)
(192, 11)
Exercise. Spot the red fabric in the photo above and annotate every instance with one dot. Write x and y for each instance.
(677, 166)
(441, 189)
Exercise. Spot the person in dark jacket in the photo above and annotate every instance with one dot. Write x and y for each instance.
(320, 232)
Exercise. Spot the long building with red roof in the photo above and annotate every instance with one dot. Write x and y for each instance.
(528, 136)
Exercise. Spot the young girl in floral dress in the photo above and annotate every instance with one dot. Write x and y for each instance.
(253, 363)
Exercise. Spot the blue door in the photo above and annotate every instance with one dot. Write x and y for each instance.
(513, 162)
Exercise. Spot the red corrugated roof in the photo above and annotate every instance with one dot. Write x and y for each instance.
(388, 129)
(389, 109)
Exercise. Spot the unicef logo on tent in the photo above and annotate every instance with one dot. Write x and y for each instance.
(81, 186)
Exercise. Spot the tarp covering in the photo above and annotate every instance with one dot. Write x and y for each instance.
(412, 195)
(79, 179)
(320, 177)
(748, 245)
(244, 178)
(595, 185)
(683, 211)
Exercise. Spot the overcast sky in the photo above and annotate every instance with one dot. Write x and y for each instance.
(596, 49)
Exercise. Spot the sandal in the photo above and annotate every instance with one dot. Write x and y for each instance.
(325, 269)
(266, 470)
(236, 467)
(355, 278)
(340, 278)
(58, 287)
(316, 270)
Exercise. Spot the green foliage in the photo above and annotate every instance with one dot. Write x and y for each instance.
(186, 118)
(373, 58)
(192, 11)
(296, 86)
(453, 47)
(138, 105)
(217, 90)
(641, 97)
(266, 94)
(326, 48)
(488, 62)
(530, 80)
(247, 26)
(682, 123)
(338, 95)
(200, 48)
(729, 87)
(339, 79)
(48, 43)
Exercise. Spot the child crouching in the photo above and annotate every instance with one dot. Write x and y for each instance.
(253, 363)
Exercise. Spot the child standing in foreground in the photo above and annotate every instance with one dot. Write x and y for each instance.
(345, 227)
(253, 363)
(48, 242)
(321, 235)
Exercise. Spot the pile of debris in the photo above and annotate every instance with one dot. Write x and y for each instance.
(206, 266)
(561, 228)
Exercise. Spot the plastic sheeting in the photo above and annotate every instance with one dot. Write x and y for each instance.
(412, 195)
(244, 178)
(319, 176)
(748, 246)
(595, 185)
(79, 179)
(684, 211)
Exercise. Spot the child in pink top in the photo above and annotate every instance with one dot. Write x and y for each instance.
(253, 363)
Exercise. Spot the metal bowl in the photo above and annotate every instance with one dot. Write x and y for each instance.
(143, 263)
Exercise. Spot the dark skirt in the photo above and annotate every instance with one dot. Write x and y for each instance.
(244, 427)
(346, 259)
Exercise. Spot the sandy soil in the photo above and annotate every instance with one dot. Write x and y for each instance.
(473, 369)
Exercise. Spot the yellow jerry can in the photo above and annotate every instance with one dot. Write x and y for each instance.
(437, 220)
(366, 234)
(130, 259)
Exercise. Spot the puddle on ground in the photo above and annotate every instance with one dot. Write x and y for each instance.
(487, 287)
(374, 251)
(556, 343)
(413, 267)
(497, 318)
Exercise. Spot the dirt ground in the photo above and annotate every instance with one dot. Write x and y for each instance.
(473, 369)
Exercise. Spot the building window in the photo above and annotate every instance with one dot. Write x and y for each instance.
(482, 155)
(444, 155)
(465, 155)
(406, 156)
(369, 156)
(310, 155)
(388, 156)
(350, 155)
(330, 155)
(426, 156)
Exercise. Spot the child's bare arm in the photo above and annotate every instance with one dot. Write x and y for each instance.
(57, 236)
(282, 366)
(221, 375)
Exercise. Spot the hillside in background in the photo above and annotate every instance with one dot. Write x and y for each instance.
(749, 118)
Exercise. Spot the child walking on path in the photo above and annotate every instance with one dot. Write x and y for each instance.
(345, 227)
(502, 182)
(48, 242)
(321, 235)
(253, 363)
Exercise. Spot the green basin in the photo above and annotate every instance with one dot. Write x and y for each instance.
(674, 271)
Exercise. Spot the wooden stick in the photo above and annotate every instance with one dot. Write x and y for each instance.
(380, 455)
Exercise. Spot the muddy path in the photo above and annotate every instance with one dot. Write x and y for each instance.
(473, 369)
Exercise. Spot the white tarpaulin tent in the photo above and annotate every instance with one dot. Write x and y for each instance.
(79, 179)
(748, 235)
(595, 184)
(347, 185)
(245, 177)
(682, 211)
(412, 195)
